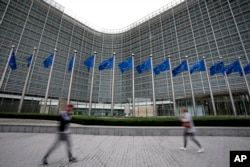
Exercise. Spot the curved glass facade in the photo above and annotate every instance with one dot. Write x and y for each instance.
(193, 28)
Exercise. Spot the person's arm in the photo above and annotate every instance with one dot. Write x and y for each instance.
(65, 116)
(186, 118)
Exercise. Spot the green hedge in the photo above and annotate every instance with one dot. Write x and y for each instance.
(159, 121)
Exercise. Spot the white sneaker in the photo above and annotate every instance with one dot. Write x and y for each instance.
(201, 150)
(183, 148)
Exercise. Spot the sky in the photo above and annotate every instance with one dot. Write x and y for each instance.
(112, 14)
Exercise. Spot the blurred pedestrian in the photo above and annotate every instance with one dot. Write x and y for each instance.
(63, 134)
(189, 130)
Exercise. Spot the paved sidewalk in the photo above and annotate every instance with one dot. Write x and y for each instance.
(27, 149)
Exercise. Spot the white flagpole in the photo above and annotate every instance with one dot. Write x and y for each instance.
(4, 13)
(92, 82)
(153, 85)
(172, 85)
(244, 75)
(229, 89)
(191, 87)
(50, 74)
(133, 85)
(113, 81)
(210, 89)
(71, 77)
(6, 66)
(26, 81)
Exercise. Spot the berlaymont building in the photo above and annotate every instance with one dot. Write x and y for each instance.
(186, 31)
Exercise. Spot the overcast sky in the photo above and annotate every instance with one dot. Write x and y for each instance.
(112, 14)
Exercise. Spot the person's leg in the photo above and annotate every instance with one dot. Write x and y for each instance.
(51, 149)
(184, 139)
(68, 144)
(194, 140)
(198, 143)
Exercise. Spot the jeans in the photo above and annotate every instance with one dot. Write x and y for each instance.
(65, 137)
(186, 133)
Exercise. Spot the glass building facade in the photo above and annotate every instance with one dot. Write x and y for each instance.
(193, 28)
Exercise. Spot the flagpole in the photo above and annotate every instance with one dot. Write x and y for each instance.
(6, 66)
(191, 86)
(133, 85)
(210, 89)
(244, 75)
(26, 81)
(47, 90)
(229, 89)
(172, 85)
(153, 85)
(113, 81)
(71, 77)
(91, 87)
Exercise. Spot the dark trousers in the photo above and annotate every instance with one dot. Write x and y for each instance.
(65, 137)
(186, 133)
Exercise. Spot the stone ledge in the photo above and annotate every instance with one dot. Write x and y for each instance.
(129, 131)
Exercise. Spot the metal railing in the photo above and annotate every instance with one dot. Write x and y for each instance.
(113, 31)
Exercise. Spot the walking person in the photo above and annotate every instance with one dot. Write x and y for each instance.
(189, 130)
(63, 134)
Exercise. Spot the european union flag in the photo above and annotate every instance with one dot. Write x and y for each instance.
(106, 64)
(12, 62)
(89, 62)
(164, 66)
(29, 60)
(144, 66)
(217, 68)
(71, 63)
(246, 69)
(126, 65)
(48, 61)
(198, 66)
(180, 68)
(233, 67)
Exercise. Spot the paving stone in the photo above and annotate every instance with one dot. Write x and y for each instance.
(27, 149)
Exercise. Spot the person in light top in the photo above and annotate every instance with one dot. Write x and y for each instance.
(63, 134)
(189, 130)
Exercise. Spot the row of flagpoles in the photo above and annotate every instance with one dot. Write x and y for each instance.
(127, 65)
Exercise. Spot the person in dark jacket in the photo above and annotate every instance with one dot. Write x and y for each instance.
(63, 134)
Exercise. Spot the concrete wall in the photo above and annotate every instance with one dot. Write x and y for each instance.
(129, 131)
